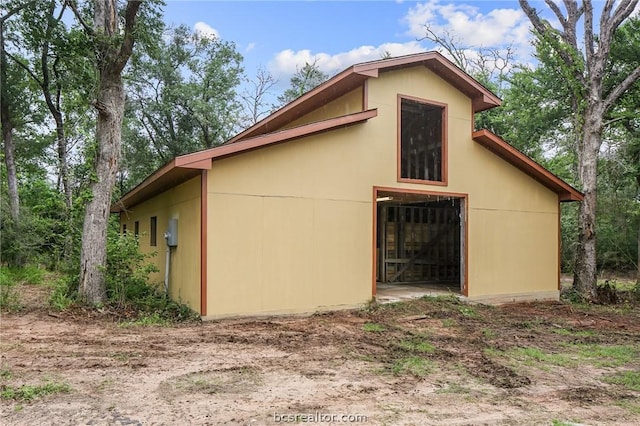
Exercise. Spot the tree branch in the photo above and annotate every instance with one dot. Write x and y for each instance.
(16, 10)
(74, 8)
(619, 90)
(622, 12)
(24, 67)
(127, 44)
(552, 35)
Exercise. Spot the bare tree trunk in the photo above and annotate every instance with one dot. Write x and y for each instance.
(93, 254)
(7, 130)
(63, 162)
(638, 275)
(111, 60)
(585, 275)
(10, 162)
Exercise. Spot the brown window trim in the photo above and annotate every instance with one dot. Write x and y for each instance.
(445, 159)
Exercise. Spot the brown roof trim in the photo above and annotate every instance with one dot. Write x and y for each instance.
(482, 97)
(516, 158)
(356, 75)
(339, 84)
(162, 179)
(186, 166)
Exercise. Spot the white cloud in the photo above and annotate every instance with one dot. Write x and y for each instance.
(250, 47)
(288, 61)
(205, 30)
(468, 25)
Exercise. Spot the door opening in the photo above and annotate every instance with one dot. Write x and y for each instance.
(420, 240)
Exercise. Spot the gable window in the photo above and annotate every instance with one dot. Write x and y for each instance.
(153, 241)
(422, 139)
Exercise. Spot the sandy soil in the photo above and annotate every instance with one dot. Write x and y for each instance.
(326, 366)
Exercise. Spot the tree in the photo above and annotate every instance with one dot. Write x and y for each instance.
(7, 117)
(112, 48)
(181, 98)
(254, 97)
(57, 63)
(584, 67)
(305, 79)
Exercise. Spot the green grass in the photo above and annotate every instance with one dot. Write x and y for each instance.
(619, 285)
(11, 279)
(573, 333)
(28, 274)
(60, 298)
(534, 357)
(632, 406)
(468, 311)
(628, 379)
(154, 319)
(29, 392)
(417, 346)
(555, 422)
(607, 356)
(488, 333)
(448, 322)
(9, 299)
(373, 327)
(414, 365)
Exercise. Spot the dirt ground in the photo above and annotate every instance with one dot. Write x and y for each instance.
(424, 362)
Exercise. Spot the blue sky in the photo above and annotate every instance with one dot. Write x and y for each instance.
(282, 35)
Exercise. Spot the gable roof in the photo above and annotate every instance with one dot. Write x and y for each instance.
(513, 156)
(268, 131)
(354, 76)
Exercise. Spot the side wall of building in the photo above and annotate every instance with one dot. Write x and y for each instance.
(182, 203)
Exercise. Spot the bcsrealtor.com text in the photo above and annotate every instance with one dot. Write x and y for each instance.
(318, 417)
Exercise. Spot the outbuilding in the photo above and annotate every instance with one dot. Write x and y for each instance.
(374, 177)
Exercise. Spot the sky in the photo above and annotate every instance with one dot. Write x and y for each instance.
(280, 36)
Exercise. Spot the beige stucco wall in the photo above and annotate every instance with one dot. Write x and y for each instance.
(290, 226)
(183, 203)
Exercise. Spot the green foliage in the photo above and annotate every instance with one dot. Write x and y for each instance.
(305, 79)
(182, 98)
(64, 293)
(9, 299)
(28, 393)
(127, 269)
(127, 280)
(39, 234)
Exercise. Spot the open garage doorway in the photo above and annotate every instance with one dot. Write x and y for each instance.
(420, 242)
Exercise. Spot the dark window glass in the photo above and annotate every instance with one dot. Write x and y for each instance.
(421, 140)
(153, 231)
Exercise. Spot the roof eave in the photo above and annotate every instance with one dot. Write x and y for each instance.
(187, 166)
